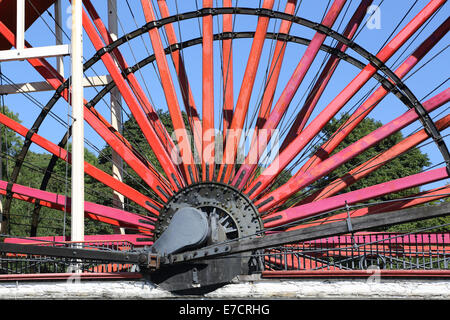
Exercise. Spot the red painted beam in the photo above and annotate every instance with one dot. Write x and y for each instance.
(340, 201)
(107, 239)
(183, 141)
(295, 147)
(94, 211)
(227, 73)
(147, 129)
(208, 133)
(355, 273)
(101, 176)
(259, 144)
(296, 183)
(186, 92)
(413, 200)
(71, 276)
(152, 115)
(233, 137)
(99, 124)
(389, 238)
(356, 117)
(375, 163)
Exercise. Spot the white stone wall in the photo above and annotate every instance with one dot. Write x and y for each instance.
(259, 289)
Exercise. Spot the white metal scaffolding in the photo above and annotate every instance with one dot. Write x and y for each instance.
(22, 51)
(77, 205)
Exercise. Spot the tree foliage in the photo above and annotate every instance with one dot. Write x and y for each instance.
(411, 162)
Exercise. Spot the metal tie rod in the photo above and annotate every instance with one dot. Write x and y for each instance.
(311, 233)
(153, 261)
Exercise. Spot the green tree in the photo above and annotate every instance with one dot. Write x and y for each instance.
(133, 133)
(11, 142)
(408, 163)
(34, 166)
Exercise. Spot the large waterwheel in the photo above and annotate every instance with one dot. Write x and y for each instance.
(216, 112)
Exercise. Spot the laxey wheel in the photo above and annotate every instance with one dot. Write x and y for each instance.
(258, 117)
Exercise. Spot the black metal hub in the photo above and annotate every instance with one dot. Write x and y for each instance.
(231, 215)
(236, 215)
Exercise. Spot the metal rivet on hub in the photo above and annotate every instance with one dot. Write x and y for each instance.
(234, 208)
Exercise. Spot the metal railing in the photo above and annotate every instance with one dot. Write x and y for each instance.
(33, 264)
(393, 251)
(360, 251)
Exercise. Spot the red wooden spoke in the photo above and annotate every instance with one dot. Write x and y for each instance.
(325, 76)
(277, 205)
(186, 92)
(375, 163)
(297, 183)
(183, 140)
(340, 201)
(94, 211)
(134, 84)
(91, 170)
(152, 138)
(232, 140)
(100, 125)
(208, 133)
(135, 239)
(275, 68)
(144, 170)
(261, 139)
(227, 74)
(267, 99)
(344, 130)
(413, 200)
(293, 149)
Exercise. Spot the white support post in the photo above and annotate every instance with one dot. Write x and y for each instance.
(20, 25)
(58, 36)
(116, 119)
(77, 184)
(20, 44)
